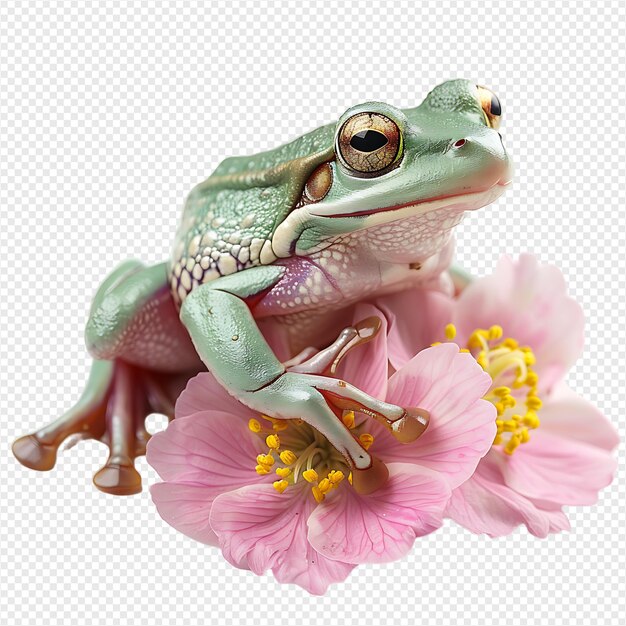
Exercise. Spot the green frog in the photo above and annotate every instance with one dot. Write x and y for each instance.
(297, 234)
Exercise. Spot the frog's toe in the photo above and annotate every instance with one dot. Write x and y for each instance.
(118, 478)
(113, 409)
(369, 480)
(34, 454)
(411, 425)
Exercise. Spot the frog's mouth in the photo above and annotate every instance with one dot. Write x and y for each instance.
(463, 201)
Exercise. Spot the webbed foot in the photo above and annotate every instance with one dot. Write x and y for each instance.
(303, 390)
(117, 399)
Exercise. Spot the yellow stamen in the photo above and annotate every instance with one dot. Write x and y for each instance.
(317, 494)
(495, 332)
(450, 332)
(529, 358)
(288, 457)
(324, 485)
(283, 472)
(335, 477)
(265, 459)
(512, 444)
(532, 379)
(310, 475)
(254, 425)
(509, 366)
(435, 343)
(280, 485)
(311, 457)
(272, 442)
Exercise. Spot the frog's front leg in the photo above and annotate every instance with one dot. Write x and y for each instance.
(227, 339)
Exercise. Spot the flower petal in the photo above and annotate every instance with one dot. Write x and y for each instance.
(450, 385)
(529, 301)
(552, 470)
(208, 448)
(204, 393)
(568, 415)
(202, 456)
(186, 507)
(417, 318)
(255, 525)
(366, 366)
(382, 526)
(483, 504)
(303, 565)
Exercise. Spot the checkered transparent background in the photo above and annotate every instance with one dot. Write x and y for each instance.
(109, 113)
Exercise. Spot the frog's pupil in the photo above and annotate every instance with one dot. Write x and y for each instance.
(496, 108)
(368, 140)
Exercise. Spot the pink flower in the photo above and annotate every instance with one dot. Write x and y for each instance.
(553, 448)
(296, 513)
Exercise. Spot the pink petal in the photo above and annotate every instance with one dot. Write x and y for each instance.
(204, 393)
(186, 507)
(382, 526)
(303, 565)
(450, 385)
(255, 525)
(366, 366)
(567, 415)
(483, 504)
(417, 318)
(529, 301)
(211, 449)
(552, 470)
(203, 455)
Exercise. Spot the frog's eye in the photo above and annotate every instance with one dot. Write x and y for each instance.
(490, 105)
(369, 144)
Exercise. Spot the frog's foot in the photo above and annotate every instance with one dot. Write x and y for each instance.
(326, 361)
(406, 428)
(117, 399)
(326, 399)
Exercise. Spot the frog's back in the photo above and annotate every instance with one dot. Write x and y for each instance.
(229, 219)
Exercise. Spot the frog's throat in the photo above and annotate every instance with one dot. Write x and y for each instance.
(291, 228)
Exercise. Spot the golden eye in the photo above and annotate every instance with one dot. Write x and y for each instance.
(369, 144)
(490, 105)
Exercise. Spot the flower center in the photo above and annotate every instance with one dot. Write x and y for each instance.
(301, 453)
(514, 388)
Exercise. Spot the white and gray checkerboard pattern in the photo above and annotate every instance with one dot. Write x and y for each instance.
(110, 113)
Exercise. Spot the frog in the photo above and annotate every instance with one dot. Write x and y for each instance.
(359, 208)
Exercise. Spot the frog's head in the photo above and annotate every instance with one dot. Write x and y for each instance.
(403, 177)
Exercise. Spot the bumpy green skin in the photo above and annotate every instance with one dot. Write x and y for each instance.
(250, 244)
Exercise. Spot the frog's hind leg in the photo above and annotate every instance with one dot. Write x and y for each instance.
(143, 359)
(38, 451)
(117, 399)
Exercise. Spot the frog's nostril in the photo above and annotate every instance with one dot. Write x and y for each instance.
(459, 143)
